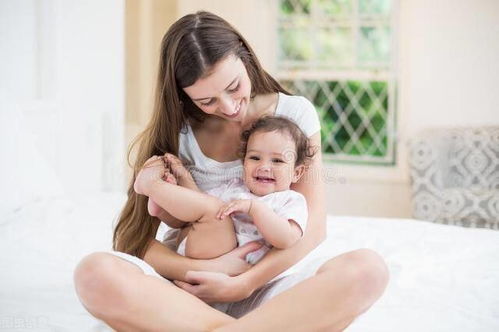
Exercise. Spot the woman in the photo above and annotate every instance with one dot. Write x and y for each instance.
(210, 86)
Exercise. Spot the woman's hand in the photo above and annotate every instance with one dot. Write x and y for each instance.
(153, 170)
(239, 205)
(234, 262)
(214, 287)
(224, 282)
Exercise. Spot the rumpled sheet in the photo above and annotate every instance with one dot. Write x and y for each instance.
(443, 278)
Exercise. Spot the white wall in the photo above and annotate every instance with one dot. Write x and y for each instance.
(448, 76)
(448, 54)
(451, 63)
(62, 63)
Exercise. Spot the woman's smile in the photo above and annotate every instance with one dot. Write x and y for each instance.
(237, 110)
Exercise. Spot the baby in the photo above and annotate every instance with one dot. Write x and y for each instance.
(259, 207)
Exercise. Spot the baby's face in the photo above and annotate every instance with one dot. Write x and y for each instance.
(269, 163)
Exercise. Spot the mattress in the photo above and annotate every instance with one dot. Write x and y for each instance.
(443, 278)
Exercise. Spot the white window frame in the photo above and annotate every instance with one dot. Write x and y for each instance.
(372, 72)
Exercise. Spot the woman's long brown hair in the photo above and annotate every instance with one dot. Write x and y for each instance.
(189, 49)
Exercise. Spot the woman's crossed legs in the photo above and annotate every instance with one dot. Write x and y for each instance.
(123, 296)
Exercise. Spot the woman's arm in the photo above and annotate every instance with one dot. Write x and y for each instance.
(212, 287)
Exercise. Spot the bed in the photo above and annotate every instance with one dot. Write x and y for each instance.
(443, 278)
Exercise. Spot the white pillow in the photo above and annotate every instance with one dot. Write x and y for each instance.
(25, 176)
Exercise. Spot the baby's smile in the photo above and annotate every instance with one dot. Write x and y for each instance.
(264, 179)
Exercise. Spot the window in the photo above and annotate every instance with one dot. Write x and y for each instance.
(340, 55)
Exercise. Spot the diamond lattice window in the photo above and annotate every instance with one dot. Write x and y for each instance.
(339, 54)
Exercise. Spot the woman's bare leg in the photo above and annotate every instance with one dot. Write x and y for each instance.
(120, 294)
(342, 289)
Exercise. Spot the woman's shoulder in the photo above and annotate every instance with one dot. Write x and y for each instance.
(294, 102)
(300, 110)
(265, 104)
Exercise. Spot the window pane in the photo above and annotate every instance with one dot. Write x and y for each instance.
(333, 8)
(335, 46)
(353, 114)
(374, 45)
(293, 7)
(295, 44)
(377, 7)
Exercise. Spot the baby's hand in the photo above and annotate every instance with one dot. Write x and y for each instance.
(240, 205)
(153, 170)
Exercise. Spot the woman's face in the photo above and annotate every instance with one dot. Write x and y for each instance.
(225, 91)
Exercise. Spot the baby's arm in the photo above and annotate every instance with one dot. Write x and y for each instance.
(276, 230)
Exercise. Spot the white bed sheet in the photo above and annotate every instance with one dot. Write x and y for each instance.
(443, 278)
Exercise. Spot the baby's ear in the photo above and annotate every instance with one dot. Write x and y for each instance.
(299, 171)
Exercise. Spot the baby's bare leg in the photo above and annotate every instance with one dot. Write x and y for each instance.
(154, 209)
(209, 236)
(182, 203)
(210, 239)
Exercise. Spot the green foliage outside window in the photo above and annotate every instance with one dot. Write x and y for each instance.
(340, 119)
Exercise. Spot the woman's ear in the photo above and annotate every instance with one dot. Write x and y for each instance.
(299, 171)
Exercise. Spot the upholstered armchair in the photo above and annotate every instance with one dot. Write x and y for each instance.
(455, 176)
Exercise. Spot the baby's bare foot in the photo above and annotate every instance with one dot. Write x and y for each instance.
(170, 178)
(176, 167)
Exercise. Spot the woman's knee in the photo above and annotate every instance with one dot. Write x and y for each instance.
(95, 277)
(365, 270)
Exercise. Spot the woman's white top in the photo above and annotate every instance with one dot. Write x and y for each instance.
(209, 173)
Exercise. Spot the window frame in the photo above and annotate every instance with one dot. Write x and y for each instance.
(388, 73)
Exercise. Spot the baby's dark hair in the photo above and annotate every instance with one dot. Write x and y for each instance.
(304, 151)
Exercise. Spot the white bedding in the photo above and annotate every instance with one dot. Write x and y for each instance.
(443, 278)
